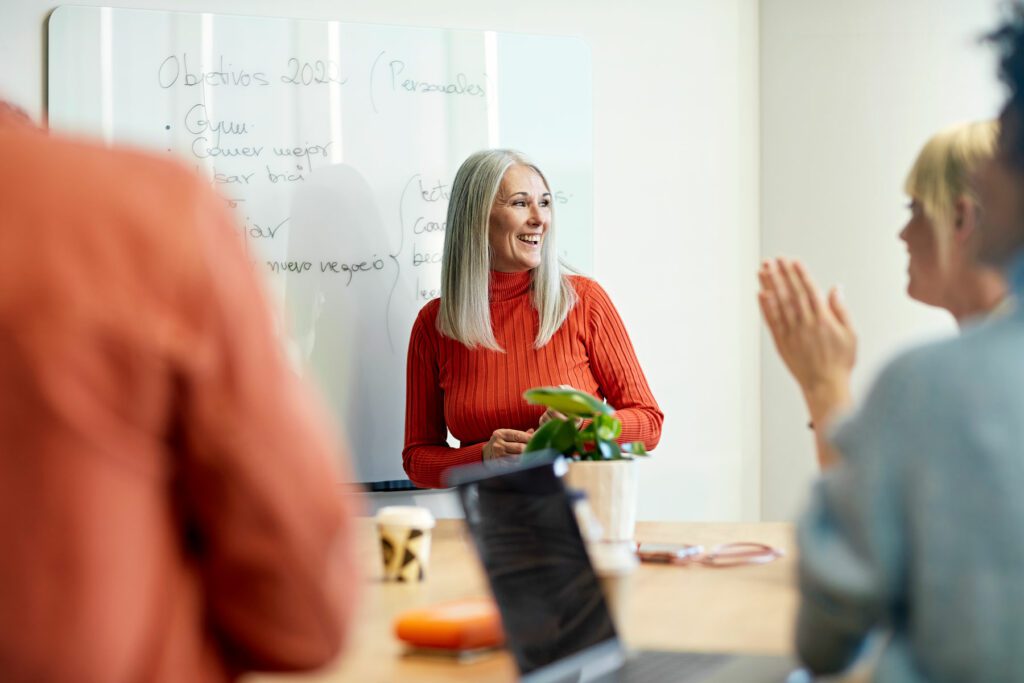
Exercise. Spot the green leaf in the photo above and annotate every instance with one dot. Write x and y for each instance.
(609, 450)
(635, 448)
(569, 402)
(563, 439)
(596, 441)
(606, 428)
(542, 437)
(557, 434)
(582, 438)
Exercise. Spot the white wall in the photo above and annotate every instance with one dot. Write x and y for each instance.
(676, 203)
(702, 107)
(849, 93)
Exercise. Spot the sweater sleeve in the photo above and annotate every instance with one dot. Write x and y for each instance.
(618, 372)
(427, 454)
(258, 473)
(852, 569)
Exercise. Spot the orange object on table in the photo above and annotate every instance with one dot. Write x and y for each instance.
(458, 625)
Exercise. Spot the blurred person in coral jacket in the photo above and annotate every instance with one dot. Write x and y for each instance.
(169, 498)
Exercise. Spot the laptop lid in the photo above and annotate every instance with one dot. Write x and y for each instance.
(525, 532)
(557, 624)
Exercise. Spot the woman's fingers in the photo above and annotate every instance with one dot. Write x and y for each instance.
(551, 414)
(812, 333)
(778, 285)
(799, 302)
(770, 311)
(764, 275)
(789, 296)
(768, 299)
(515, 441)
(508, 442)
(810, 290)
(835, 303)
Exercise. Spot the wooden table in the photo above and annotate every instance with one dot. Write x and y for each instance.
(736, 609)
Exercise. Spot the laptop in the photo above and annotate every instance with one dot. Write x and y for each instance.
(557, 624)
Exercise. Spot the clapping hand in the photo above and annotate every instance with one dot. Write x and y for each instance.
(813, 334)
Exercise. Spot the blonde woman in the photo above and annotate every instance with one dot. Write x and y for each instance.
(509, 319)
(813, 334)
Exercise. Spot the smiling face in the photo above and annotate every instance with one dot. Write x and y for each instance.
(519, 221)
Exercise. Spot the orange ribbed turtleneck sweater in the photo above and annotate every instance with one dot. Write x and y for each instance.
(473, 392)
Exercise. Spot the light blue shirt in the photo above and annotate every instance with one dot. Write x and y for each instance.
(920, 529)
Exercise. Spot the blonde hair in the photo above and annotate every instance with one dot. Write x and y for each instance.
(942, 172)
(465, 313)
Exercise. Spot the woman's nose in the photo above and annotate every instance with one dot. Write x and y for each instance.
(536, 218)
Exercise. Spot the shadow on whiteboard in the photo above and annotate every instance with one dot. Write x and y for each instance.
(350, 314)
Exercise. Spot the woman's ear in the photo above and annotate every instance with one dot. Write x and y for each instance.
(965, 219)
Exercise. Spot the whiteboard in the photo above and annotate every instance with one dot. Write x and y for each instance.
(336, 144)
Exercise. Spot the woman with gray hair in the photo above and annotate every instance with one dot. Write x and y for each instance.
(509, 319)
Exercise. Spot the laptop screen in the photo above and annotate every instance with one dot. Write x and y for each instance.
(530, 544)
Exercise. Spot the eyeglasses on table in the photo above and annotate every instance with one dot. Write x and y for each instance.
(734, 554)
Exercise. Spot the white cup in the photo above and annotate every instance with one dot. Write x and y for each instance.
(614, 564)
(405, 541)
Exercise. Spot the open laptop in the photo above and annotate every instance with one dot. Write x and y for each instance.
(557, 624)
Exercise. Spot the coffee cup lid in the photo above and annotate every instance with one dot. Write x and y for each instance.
(406, 515)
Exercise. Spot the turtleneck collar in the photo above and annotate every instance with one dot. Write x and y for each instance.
(505, 286)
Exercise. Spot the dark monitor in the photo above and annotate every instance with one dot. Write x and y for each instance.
(526, 534)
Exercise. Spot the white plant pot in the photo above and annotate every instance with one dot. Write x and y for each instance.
(612, 490)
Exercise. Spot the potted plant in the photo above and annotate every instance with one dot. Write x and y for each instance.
(598, 465)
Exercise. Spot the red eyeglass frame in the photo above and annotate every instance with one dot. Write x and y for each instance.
(735, 554)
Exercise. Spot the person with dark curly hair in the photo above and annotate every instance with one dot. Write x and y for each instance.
(916, 531)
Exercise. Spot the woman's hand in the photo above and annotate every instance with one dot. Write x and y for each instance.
(814, 336)
(552, 414)
(506, 442)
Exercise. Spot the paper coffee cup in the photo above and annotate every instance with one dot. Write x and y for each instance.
(614, 564)
(405, 541)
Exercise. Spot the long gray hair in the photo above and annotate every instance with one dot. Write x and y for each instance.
(465, 313)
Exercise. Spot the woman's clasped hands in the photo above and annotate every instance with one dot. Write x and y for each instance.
(508, 442)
